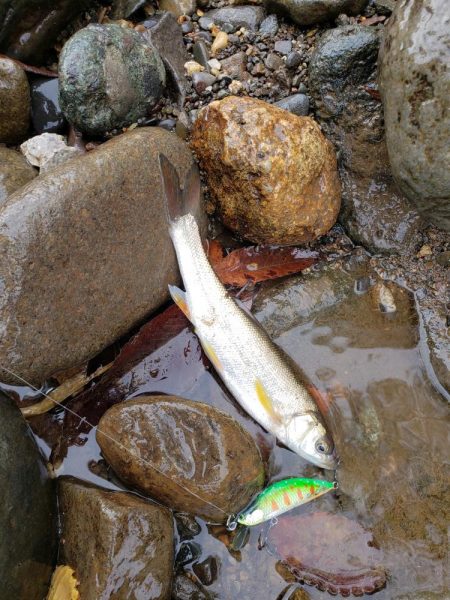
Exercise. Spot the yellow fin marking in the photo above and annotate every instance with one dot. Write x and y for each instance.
(265, 401)
(179, 297)
(211, 354)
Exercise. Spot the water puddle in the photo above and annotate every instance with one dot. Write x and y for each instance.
(389, 423)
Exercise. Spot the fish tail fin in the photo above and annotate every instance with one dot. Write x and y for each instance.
(179, 297)
(179, 203)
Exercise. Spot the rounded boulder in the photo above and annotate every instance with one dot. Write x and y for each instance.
(187, 455)
(272, 175)
(415, 86)
(109, 77)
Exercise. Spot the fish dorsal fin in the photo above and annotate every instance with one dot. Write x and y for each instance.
(266, 401)
(180, 299)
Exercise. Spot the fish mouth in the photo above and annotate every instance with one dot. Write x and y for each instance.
(329, 461)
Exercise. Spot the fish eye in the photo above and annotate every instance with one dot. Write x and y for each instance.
(323, 446)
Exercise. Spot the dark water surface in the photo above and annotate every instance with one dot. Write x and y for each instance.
(390, 425)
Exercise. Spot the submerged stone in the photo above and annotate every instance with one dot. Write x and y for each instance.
(27, 510)
(109, 78)
(85, 253)
(415, 85)
(119, 545)
(187, 455)
(272, 175)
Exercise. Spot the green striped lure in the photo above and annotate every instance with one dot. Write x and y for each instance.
(278, 498)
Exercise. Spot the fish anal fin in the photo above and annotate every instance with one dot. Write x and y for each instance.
(179, 297)
(212, 355)
(266, 401)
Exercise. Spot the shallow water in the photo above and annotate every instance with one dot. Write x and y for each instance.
(390, 426)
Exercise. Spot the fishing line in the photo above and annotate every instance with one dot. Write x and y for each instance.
(111, 439)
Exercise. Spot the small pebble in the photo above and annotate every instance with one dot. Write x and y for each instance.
(192, 66)
(235, 87)
(293, 60)
(206, 23)
(215, 64)
(220, 42)
(201, 81)
(283, 46)
(269, 27)
(424, 251)
(201, 53)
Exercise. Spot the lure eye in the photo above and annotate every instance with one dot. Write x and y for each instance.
(323, 446)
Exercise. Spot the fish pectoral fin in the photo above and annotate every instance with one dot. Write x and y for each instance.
(266, 401)
(179, 297)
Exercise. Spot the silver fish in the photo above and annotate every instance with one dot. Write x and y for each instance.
(252, 367)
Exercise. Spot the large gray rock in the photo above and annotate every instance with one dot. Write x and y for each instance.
(187, 455)
(119, 545)
(109, 77)
(30, 27)
(27, 510)
(15, 171)
(415, 86)
(249, 17)
(307, 12)
(85, 253)
(342, 73)
(14, 102)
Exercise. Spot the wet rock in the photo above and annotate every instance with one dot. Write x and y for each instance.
(14, 102)
(196, 448)
(436, 325)
(207, 570)
(236, 66)
(15, 171)
(187, 526)
(64, 253)
(342, 74)
(274, 62)
(298, 104)
(308, 12)
(293, 60)
(118, 544)
(46, 113)
(187, 553)
(121, 9)
(30, 27)
(174, 55)
(178, 7)
(283, 46)
(201, 54)
(185, 588)
(48, 150)
(272, 175)
(249, 17)
(109, 77)
(415, 88)
(384, 7)
(201, 81)
(27, 510)
(269, 26)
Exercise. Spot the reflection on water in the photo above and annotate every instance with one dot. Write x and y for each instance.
(390, 426)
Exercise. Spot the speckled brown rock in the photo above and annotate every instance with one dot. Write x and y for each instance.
(15, 171)
(272, 175)
(14, 102)
(85, 253)
(202, 455)
(119, 545)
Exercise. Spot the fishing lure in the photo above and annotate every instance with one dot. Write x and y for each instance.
(278, 498)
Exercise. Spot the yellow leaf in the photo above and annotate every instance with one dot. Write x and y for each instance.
(63, 585)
